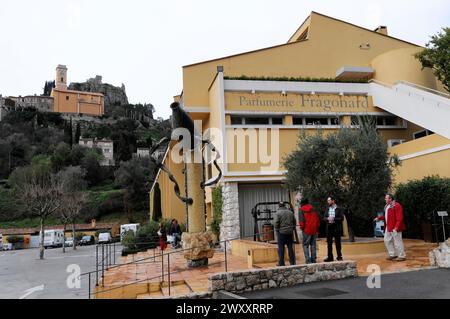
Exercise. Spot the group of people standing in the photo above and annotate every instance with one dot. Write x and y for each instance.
(309, 221)
(174, 231)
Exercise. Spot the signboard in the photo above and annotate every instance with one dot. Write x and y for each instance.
(442, 214)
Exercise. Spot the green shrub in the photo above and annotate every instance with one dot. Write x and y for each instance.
(295, 79)
(146, 237)
(420, 199)
(217, 210)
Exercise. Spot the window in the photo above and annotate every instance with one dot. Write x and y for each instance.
(316, 121)
(62, 79)
(277, 120)
(335, 121)
(297, 121)
(257, 120)
(67, 98)
(236, 120)
(390, 120)
(423, 133)
(386, 121)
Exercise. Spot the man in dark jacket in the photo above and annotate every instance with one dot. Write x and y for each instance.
(334, 216)
(175, 232)
(309, 224)
(284, 224)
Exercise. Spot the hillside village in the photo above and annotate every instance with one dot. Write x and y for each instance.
(89, 127)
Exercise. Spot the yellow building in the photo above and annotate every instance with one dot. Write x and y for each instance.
(78, 102)
(254, 105)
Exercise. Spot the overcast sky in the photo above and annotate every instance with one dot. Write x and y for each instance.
(144, 44)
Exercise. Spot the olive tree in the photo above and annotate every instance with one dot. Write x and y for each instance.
(40, 191)
(353, 165)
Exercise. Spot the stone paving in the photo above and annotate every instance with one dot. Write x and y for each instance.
(184, 279)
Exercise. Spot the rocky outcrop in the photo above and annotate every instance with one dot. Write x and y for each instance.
(440, 257)
(113, 95)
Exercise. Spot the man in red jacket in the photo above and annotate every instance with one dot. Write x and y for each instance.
(394, 226)
(309, 224)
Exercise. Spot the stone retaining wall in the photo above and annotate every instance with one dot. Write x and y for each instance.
(258, 279)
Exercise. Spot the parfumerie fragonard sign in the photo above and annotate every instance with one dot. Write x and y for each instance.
(298, 102)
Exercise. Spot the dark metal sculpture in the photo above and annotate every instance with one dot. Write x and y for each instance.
(180, 119)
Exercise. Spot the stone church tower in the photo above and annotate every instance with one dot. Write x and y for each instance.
(61, 77)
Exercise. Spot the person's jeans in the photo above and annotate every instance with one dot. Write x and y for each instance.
(287, 240)
(176, 239)
(309, 242)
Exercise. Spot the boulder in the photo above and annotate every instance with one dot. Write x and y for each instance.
(440, 256)
(198, 246)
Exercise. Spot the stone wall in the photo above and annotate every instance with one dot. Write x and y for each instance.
(229, 228)
(237, 282)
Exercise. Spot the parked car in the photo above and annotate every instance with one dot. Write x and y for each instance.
(68, 242)
(7, 246)
(104, 238)
(87, 240)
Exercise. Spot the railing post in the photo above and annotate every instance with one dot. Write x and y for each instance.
(96, 265)
(114, 253)
(103, 265)
(225, 250)
(162, 264)
(89, 278)
(168, 270)
(109, 255)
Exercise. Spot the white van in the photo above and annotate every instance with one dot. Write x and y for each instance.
(127, 227)
(53, 238)
(104, 238)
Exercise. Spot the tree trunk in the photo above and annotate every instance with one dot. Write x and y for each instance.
(41, 243)
(64, 239)
(74, 238)
(349, 218)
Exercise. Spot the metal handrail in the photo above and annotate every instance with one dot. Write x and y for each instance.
(419, 87)
(168, 257)
(146, 279)
(424, 88)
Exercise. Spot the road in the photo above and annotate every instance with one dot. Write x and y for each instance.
(422, 284)
(22, 274)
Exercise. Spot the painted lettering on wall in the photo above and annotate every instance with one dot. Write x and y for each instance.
(325, 102)
(347, 102)
(244, 101)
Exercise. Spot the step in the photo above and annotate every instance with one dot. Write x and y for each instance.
(152, 295)
(177, 290)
